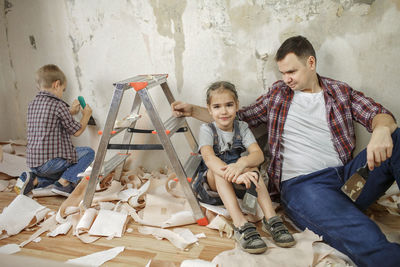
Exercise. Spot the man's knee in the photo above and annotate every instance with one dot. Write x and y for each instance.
(396, 135)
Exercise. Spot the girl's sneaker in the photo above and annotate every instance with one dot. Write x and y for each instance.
(249, 239)
(279, 232)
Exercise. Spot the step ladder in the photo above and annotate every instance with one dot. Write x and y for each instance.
(141, 84)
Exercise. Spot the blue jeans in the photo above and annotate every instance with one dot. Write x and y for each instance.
(57, 168)
(315, 201)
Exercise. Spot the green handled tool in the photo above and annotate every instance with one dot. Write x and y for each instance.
(83, 105)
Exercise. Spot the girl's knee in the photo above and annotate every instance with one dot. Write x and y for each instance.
(211, 180)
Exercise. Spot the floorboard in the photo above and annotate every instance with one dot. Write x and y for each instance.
(139, 249)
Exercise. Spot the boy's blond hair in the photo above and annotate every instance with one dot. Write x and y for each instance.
(48, 74)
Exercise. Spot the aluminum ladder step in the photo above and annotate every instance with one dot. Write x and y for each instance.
(112, 163)
(116, 131)
(173, 124)
(192, 164)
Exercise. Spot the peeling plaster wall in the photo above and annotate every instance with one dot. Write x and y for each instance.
(11, 120)
(98, 42)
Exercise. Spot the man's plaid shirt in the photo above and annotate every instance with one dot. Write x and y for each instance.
(343, 105)
(50, 125)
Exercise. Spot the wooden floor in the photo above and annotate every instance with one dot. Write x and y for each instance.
(139, 249)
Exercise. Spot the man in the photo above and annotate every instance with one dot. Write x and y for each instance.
(311, 139)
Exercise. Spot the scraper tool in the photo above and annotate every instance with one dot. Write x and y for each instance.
(83, 105)
(354, 185)
(250, 200)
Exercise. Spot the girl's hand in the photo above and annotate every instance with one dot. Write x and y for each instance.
(232, 171)
(247, 178)
(181, 109)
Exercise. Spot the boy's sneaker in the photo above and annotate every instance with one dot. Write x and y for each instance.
(249, 239)
(279, 232)
(24, 184)
(45, 191)
(65, 191)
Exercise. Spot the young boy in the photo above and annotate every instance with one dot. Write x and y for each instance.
(226, 170)
(51, 156)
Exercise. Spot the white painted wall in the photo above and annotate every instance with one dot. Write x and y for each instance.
(98, 42)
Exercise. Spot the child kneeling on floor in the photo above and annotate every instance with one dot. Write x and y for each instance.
(51, 156)
(225, 174)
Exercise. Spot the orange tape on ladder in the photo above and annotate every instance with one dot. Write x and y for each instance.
(101, 132)
(189, 179)
(138, 85)
(167, 132)
(203, 221)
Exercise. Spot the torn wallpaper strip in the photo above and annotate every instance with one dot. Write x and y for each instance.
(98, 258)
(13, 165)
(19, 214)
(109, 223)
(9, 249)
(178, 240)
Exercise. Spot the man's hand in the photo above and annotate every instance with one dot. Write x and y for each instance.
(182, 109)
(75, 107)
(380, 146)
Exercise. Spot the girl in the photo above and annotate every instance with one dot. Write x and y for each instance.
(225, 174)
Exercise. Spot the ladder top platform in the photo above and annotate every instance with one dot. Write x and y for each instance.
(142, 81)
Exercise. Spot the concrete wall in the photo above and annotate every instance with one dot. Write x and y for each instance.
(98, 42)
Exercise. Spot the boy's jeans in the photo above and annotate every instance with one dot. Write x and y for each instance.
(57, 168)
(315, 201)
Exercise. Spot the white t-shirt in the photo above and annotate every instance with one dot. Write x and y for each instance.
(225, 138)
(307, 144)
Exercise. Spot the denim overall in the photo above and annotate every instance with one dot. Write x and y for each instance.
(200, 186)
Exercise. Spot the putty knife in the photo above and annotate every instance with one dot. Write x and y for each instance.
(250, 200)
(354, 185)
(83, 105)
